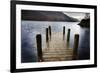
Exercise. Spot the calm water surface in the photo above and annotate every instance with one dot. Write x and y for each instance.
(29, 29)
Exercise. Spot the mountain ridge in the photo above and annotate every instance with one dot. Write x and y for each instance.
(45, 16)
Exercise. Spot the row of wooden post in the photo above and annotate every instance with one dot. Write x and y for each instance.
(76, 41)
(68, 35)
(39, 43)
(48, 34)
(48, 30)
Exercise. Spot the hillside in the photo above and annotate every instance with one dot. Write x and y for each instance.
(45, 16)
(85, 23)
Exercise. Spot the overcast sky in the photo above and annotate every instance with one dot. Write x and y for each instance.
(77, 15)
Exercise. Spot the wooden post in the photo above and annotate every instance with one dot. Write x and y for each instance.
(39, 47)
(75, 47)
(50, 32)
(68, 35)
(63, 32)
(47, 38)
(68, 38)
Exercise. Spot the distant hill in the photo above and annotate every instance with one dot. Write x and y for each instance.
(85, 23)
(45, 16)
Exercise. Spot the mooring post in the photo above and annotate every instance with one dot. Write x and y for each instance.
(68, 38)
(68, 35)
(39, 47)
(75, 47)
(63, 32)
(50, 32)
(47, 38)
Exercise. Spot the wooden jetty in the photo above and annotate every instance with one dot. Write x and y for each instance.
(56, 48)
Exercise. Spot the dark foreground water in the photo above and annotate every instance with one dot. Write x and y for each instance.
(29, 29)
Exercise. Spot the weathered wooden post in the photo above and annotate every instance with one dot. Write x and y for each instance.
(68, 38)
(68, 35)
(75, 47)
(39, 47)
(63, 32)
(47, 38)
(50, 32)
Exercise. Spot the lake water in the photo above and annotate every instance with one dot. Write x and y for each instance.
(29, 29)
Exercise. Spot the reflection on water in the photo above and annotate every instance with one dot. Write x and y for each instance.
(29, 29)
